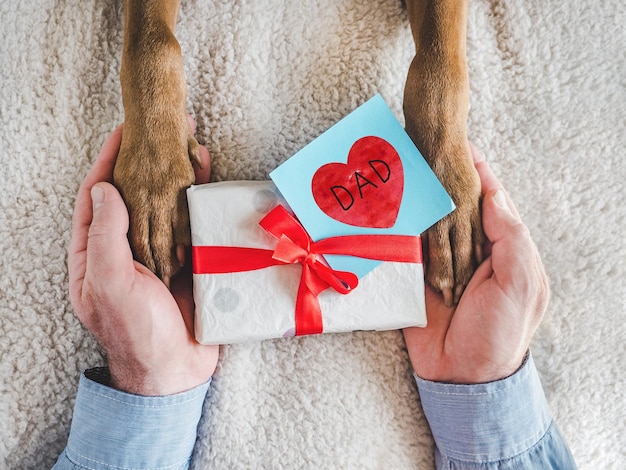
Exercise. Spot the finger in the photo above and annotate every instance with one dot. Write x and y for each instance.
(201, 167)
(81, 218)
(489, 181)
(512, 249)
(498, 216)
(516, 262)
(102, 169)
(108, 252)
(193, 149)
(192, 123)
(476, 155)
(203, 174)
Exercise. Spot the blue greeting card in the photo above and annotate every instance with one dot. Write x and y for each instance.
(364, 175)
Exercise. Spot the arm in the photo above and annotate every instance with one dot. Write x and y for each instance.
(114, 429)
(482, 398)
(158, 375)
(501, 424)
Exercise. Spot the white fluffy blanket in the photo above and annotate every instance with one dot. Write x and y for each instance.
(548, 110)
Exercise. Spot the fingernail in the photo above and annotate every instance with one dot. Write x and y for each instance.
(97, 197)
(478, 157)
(500, 199)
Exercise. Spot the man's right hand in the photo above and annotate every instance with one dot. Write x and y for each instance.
(486, 336)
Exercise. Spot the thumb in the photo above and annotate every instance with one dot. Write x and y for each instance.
(499, 215)
(108, 250)
(512, 248)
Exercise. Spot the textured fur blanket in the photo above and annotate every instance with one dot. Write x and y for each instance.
(548, 103)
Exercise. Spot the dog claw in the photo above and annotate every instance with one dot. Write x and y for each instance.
(180, 254)
(457, 293)
(478, 253)
(194, 151)
(447, 296)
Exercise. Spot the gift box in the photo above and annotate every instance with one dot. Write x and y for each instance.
(254, 279)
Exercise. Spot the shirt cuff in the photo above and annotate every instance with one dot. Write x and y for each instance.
(487, 422)
(114, 429)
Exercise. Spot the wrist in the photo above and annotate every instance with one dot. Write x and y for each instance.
(499, 419)
(156, 382)
(467, 369)
(134, 384)
(157, 432)
(491, 372)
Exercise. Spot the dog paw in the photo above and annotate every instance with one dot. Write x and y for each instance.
(455, 242)
(436, 101)
(152, 172)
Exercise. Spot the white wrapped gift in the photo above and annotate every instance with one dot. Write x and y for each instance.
(260, 304)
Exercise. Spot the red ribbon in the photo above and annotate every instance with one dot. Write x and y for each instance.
(295, 246)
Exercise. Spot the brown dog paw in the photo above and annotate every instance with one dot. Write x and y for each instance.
(436, 102)
(153, 168)
(455, 243)
(152, 172)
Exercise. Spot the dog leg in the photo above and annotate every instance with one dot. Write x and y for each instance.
(153, 168)
(436, 102)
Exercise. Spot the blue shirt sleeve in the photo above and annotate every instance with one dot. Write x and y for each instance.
(113, 429)
(504, 424)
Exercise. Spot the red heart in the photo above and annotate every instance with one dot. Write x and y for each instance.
(367, 190)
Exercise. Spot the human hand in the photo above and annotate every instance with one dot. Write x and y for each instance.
(486, 336)
(145, 330)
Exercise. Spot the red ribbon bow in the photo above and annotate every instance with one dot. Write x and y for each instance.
(295, 246)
